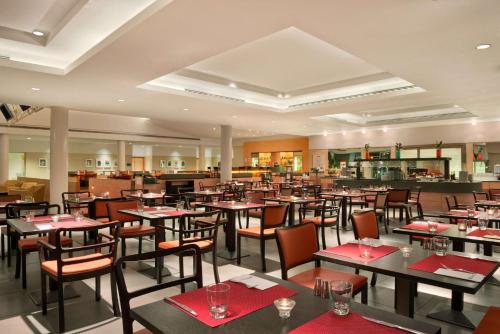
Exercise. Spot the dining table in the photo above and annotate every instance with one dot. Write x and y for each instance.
(230, 208)
(149, 198)
(487, 204)
(292, 202)
(345, 198)
(45, 225)
(420, 267)
(311, 314)
(206, 195)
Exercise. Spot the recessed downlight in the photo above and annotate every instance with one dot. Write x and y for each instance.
(344, 133)
(287, 96)
(473, 122)
(325, 134)
(363, 131)
(38, 33)
(233, 85)
(280, 96)
(384, 129)
(29, 138)
(483, 46)
(35, 89)
(120, 100)
(186, 109)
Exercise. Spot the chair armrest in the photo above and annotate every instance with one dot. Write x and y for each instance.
(45, 244)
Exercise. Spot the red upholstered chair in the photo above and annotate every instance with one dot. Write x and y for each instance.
(297, 245)
(126, 295)
(127, 232)
(490, 322)
(324, 216)
(398, 199)
(272, 217)
(257, 198)
(64, 269)
(480, 196)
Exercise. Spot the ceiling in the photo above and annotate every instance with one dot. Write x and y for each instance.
(312, 51)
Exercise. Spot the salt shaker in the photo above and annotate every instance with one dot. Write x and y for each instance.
(325, 290)
(317, 286)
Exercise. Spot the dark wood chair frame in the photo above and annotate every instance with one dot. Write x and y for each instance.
(324, 211)
(373, 281)
(3, 222)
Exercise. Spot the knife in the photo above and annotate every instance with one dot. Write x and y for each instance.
(388, 324)
(182, 306)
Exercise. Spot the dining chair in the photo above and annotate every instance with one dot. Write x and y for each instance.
(70, 207)
(127, 192)
(414, 201)
(3, 221)
(452, 203)
(286, 191)
(255, 197)
(380, 208)
(190, 232)
(272, 217)
(55, 264)
(323, 216)
(480, 196)
(132, 231)
(29, 245)
(398, 199)
(297, 245)
(126, 295)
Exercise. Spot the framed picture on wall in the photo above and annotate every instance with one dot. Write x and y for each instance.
(169, 163)
(176, 163)
(115, 163)
(99, 163)
(183, 163)
(42, 162)
(107, 163)
(163, 163)
(89, 163)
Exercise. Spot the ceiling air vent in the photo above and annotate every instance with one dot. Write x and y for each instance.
(199, 92)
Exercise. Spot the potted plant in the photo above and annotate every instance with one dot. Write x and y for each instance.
(367, 151)
(398, 146)
(438, 145)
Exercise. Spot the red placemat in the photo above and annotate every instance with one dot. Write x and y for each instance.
(71, 224)
(432, 263)
(353, 323)
(242, 301)
(44, 219)
(351, 250)
(422, 226)
(479, 233)
(461, 212)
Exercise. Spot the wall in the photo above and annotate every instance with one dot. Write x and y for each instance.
(319, 158)
(281, 145)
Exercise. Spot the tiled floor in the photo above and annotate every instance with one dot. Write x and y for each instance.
(19, 315)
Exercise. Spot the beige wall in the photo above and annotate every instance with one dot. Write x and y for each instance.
(32, 165)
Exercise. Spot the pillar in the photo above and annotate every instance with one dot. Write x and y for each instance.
(226, 153)
(121, 156)
(201, 158)
(4, 157)
(58, 153)
(469, 158)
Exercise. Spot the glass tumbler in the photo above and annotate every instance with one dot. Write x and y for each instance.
(482, 221)
(365, 248)
(441, 245)
(341, 292)
(218, 299)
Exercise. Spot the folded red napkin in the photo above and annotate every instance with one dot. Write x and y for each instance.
(242, 301)
(353, 323)
(482, 233)
(434, 262)
(351, 250)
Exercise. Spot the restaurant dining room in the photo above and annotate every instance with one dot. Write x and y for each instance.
(237, 166)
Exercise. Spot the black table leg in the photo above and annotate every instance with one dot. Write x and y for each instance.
(456, 315)
(291, 214)
(458, 245)
(343, 206)
(159, 237)
(230, 252)
(405, 293)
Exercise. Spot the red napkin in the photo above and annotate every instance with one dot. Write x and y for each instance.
(353, 323)
(71, 224)
(432, 263)
(424, 227)
(242, 301)
(351, 250)
(479, 233)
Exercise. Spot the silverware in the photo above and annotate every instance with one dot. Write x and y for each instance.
(388, 324)
(182, 306)
(457, 269)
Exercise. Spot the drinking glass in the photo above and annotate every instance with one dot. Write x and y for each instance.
(179, 205)
(140, 206)
(55, 218)
(218, 299)
(441, 245)
(78, 215)
(215, 199)
(341, 292)
(29, 216)
(365, 248)
(482, 221)
(432, 226)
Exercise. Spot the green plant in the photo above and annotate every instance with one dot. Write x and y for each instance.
(398, 146)
(439, 144)
(367, 147)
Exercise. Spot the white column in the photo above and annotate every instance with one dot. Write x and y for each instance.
(4, 157)
(226, 153)
(201, 158)
(58, 153)
(121, 156)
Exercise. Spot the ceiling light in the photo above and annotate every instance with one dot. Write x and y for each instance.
(363, 131)
(483, 46)
(121, 100)
(233, 85)
(29, 138)
(214, 129)
(38, 33)
(185, 109)
(35, 89)
(325, 134)
(344, 133)
(234, 116)
(280, 96)
(368, 115)
(473, 122)
(384, 129)
(287, 96)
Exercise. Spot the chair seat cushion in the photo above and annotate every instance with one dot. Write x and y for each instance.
(490, 322)
(317, 220)
(203, 244)
(255, 213)
(306, 278)
(78, 268)
(370, 198)
(136, 231)
(31, 244)
(397, 205)
(255, 231)
(103, 220)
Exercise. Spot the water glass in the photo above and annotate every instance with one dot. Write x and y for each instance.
(482, 221)
(341, 292)
(406, 250)
(179, 205)
(284, 306)
(325, 290)
(432, 227)
(29, 216)
(365, 248)
(317, 286)
(78, 215)
(441, 245)
(218, 299)
(55, 218)
(140, 206)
